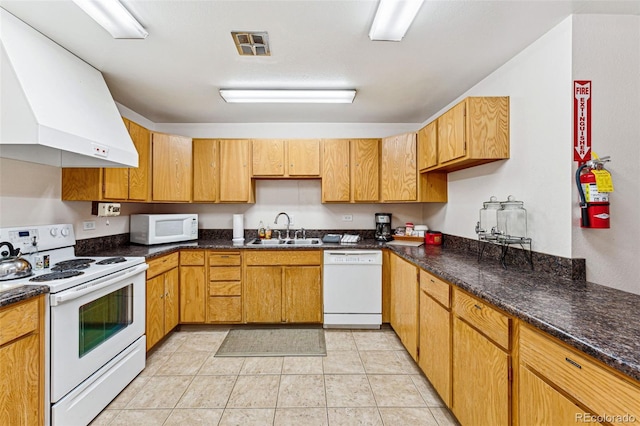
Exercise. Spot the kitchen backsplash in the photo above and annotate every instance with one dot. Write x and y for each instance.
(574, 269)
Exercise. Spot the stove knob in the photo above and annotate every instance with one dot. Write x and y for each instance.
(53, 232)
(65, 232)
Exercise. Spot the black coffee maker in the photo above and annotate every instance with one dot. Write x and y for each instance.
(383, 227)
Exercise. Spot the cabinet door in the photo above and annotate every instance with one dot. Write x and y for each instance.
(171, 300)
(155, 310)
(451, 134)
(235, 174)
(543, 405)
(205, 170)
(268, 157)
(399, 173)
(193, 296)
(81, 184)
(140, 177)
(365, 167)
(263, 294)
(20, 382)
(335, 170)
(172, 168)
(435, 345)
(428, 146)
(480, 378)
(304, 157)
(404, 303)
(116, 183)
(302, 294)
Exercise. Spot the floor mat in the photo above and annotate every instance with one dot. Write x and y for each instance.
(274, 342)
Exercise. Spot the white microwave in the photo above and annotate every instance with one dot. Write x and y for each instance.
(149, 229)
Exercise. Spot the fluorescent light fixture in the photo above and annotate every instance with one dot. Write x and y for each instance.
(113, 17)
(393, 19)
(288, 96)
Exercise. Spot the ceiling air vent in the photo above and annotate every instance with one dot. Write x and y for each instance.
(252, 43)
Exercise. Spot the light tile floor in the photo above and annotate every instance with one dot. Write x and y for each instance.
(367, 378)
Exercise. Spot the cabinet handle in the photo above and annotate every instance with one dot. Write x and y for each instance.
(224, 257)
(572, 362)
(477, 307)
(166, 294)
(162, 296)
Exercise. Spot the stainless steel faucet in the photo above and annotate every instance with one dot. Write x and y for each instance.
(288, 222)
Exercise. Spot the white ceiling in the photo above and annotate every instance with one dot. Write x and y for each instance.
(173, 76)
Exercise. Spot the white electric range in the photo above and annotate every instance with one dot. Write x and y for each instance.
(95, 320)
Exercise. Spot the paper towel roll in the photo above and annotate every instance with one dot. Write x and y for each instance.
(238, 226)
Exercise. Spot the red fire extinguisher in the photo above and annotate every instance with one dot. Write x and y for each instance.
(594, 203)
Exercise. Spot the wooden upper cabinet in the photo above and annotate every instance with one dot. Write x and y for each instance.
(399, 168)
(113, 183)
(286, 158)
(235, 171)
(451, 133)
(335, 171)
(205, 170)
(304, 157)
(365, 170)
(473, 132)
(140, 177)
(428, 146)
(268, 157)
(172, 167)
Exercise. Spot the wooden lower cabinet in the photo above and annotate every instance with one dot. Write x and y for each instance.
(435, 334)
(224, 298)
(404, 302)
(283, 287)
(559, 385)
(481, 385)
(22, 353)
(543, 405)
(193, 296)
(163, 310)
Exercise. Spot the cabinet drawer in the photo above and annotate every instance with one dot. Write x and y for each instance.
(162, 264)
(435, 288)
(224, 259)
(192, 257)
(225, 288)
(578, 376)
(18, 320)
(283, 257)
(488, 320)
(225, 273)
(224, 309)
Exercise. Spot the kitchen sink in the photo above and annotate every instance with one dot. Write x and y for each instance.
(298, 242)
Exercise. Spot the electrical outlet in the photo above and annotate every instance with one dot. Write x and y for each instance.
(347, 218)
(89, 225)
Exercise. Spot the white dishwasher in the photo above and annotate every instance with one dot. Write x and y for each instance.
(352, 288)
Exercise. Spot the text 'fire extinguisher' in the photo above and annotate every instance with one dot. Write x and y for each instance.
(594, 185)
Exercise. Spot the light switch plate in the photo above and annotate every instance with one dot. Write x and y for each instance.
(89, 225)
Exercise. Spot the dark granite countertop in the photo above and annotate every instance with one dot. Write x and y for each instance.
(595, 319)
(20, 293)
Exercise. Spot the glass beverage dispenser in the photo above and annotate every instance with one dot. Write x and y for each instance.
(487, 227)
(512, 221)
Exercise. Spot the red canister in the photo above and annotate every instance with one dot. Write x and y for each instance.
(433, 238)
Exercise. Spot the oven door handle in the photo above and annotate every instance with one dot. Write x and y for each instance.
(96, 285)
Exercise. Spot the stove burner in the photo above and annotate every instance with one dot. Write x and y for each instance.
(111, 260)
(56, 276)
(72, 264)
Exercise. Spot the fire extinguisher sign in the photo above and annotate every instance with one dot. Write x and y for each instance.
(582, 120)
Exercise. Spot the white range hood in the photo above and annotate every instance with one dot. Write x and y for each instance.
(55, 108)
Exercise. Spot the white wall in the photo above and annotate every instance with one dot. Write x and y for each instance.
(540, 172)
(538, 83)
(606, 50)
